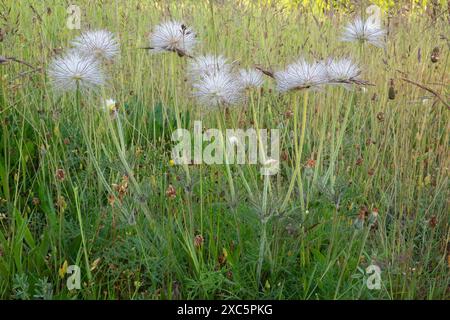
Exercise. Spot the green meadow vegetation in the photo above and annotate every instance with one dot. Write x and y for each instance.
(363, 176)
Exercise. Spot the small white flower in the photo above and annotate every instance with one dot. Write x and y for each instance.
(301, 75)
(110, 106)
(364, 31)
(173, 36)
(251, 78)
(218, 89)
(97, 43)
(74, 71)
(208, 64)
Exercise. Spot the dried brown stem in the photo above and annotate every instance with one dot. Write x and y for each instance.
(267, 72)
(26, 73)
(4, 60)
(437, 95)
(180, 52)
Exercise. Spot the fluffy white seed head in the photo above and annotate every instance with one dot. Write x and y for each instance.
(98, 44)
(340, 70)
(173, 36)
(73, 70)
(251, 78)
(364, 31)
(218, 89)
(301, 75)
(208, 64)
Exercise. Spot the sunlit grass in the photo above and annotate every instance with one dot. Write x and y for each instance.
(77, 185)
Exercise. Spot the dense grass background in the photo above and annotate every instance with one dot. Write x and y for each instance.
(78, 188)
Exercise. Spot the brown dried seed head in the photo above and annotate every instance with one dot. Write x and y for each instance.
(111, 200)
(375, 211)
(36, 201)
(310, 163)
(432, 222)
(171, 192)
(435, 55)
(198, 241)
(284, 155)
(362, 214)
(391, 93)
(222, 259)
(380, 116)
(60, 174)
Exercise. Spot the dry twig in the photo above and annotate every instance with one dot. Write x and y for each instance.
(437, 95)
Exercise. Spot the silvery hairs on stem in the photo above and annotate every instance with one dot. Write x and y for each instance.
(216, 84)
(213, 82)
(251, 78)
(73, 70)
(172, 36)
(343, 72)
(100, 44)
(208, 64)
(364, 31)
(218, 88)
(302, 75)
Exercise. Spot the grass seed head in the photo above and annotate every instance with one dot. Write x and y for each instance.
(391, 92)
(435, 55)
